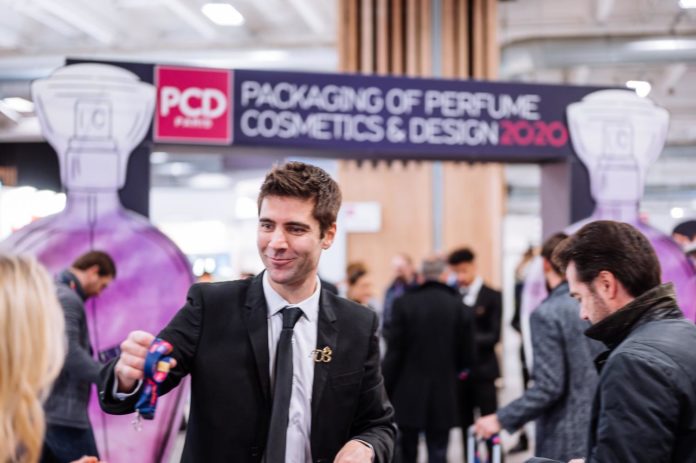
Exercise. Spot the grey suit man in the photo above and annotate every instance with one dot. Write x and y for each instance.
(68, 432)
(560, 400)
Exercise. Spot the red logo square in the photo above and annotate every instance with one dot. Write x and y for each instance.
(193, 105)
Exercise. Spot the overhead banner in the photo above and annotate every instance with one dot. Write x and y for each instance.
(423, 118)
(370, 117)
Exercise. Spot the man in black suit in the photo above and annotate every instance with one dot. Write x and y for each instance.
(281, 369)
(478, 391)
(430, 344)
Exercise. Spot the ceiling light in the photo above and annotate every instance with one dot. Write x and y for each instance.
(641, 87)
(223, 14)
(158, 157)
(686, 4)
(677, 212)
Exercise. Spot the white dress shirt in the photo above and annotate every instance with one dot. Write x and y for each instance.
(304, 341)
(472, 291)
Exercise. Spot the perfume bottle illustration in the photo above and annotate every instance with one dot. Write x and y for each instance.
(94, 115)
(618, 135)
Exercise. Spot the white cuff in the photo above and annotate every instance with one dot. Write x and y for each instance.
(124, 395)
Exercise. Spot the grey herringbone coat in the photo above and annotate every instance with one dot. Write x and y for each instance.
(564, 380)
(69, 399)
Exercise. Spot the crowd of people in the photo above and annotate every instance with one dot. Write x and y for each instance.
(288, 367)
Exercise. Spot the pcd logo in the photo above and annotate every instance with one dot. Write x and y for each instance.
(193, 105)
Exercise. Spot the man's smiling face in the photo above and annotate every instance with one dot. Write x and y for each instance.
(289, 240)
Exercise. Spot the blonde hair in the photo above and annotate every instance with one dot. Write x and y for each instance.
(32, 350)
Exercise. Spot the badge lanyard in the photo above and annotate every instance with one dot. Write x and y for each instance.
(157, 364)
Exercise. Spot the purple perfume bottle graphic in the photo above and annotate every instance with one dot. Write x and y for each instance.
(94, 115)
(618, 135)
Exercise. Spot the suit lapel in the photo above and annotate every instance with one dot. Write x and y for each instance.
(257, 326)
(327, 335)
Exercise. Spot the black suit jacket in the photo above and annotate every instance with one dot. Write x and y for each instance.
(488, 315)
(220, 337)
(430, 342)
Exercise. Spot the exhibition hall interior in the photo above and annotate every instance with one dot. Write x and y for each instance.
(146, 128)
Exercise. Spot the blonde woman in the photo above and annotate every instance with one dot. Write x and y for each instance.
(32, 348)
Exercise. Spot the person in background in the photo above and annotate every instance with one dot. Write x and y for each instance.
(478, 392)
(430, 344)
(32, 349)
(360, 287)
(516, 323)
(405, 277)
(564, 379)
(68, 431)
(351, 268)
(643, 409)
(685, 235)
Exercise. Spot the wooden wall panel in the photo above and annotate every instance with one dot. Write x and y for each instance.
(492, 51)
(396, 37)
(367, 36)
(474, 210)
(404, 193)
(478, 40)
(425, 41)
(349, 38)
(448, 38)
(412, 38)
(383, 36)
(462, 52)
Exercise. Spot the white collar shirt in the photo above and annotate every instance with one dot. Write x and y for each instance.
(472, 291)
(304, 341)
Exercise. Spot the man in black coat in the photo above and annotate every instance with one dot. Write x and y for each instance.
(644, 408)
(68, 431)
(478, 391)
(282, 370)
(430, 344)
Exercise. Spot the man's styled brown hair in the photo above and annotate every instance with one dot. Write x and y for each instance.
(616, 247)
(305, 181)
(461, 255)
(106, 264)
(549, 246)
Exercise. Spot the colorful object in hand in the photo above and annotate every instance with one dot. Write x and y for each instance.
(157, 365)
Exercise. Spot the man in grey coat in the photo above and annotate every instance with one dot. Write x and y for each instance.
(68, 430)
(564, 377)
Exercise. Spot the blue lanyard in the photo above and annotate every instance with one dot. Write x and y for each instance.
(157, 364)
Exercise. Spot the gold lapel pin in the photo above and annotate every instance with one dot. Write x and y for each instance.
(322, 355)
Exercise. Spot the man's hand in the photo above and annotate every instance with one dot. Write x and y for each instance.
(88, 460)
(487, 425)
(131, 364)
(355, 452)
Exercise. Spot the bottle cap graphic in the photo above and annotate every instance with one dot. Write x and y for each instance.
(93, 115)
(617, 135)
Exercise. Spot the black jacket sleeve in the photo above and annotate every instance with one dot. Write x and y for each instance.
(466, 347)
(393, 359)
(374, 418)
(183, 333)
(493, 301)
(78, 361)
(639, 412)
(549, 375)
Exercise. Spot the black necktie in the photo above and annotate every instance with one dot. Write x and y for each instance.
(282, 389)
